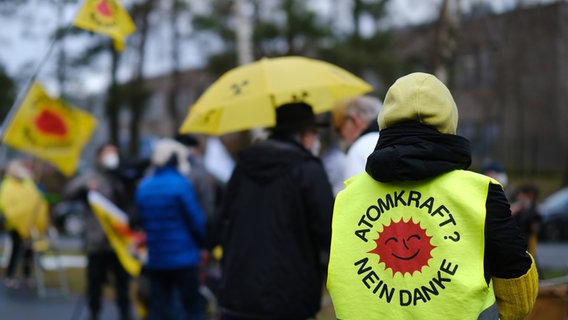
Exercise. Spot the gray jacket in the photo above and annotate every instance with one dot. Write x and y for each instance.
(110, 187)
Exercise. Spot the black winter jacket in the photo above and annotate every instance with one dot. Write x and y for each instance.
(412, 151)
(277, 211)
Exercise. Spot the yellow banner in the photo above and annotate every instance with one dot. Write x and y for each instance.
(107, 17)
(125, 242)
(50, 129)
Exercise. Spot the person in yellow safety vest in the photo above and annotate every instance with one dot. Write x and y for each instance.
(418, 236)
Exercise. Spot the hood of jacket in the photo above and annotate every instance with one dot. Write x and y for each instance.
(271, 158)
(414, 151)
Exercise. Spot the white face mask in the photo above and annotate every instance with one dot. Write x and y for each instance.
(110, 160)
(316, 147)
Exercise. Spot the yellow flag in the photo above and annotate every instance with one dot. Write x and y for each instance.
(107, 17)
(124, 241)
(50, 129)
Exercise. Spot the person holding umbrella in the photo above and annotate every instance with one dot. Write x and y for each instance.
(278, 203)
(277, 223)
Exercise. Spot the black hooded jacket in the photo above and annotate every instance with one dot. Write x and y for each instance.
(412, 151)
(277, 211)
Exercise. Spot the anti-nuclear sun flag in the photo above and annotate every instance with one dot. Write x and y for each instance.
(127, 244)
(50, 129)
(107, 17)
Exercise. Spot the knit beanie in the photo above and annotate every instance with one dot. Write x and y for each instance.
(420, 97)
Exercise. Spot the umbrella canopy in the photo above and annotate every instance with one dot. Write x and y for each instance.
(246, 97)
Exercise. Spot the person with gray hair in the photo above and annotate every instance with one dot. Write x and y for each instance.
(355, 122)
(173, 220)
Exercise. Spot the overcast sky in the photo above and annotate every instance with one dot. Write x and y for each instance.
(24, 38)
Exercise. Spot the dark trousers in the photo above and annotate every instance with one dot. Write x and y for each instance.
(98, 267)
(167, 286)
(18, 250)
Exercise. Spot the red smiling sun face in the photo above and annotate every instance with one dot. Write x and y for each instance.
(403, 247)
(51, 123)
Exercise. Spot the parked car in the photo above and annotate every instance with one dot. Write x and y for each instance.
(554, 213)
(69, 217)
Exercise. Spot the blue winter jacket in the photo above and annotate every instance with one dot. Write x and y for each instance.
(172, 219)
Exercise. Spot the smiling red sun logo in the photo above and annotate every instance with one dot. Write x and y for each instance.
(49, 122)
(104, 8)
(403, 247)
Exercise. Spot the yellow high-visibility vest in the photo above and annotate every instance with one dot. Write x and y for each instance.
(411, 250)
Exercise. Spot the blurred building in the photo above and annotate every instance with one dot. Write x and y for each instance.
(508, 73)
(162, 118)
(509, 76)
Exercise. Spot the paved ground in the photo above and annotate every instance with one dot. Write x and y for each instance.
(552, 255)
(25, 304)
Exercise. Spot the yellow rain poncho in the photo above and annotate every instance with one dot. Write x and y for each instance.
(23, 206)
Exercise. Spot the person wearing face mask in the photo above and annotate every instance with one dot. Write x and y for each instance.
(101, 258)
(276, 214)
(354, 120)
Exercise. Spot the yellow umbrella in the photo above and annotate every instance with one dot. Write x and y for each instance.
(246, 97)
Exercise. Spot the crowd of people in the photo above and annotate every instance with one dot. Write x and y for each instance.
(396, 226)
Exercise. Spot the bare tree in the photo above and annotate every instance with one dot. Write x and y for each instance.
(136, 90)
(447, 30)
(113, 98)
(244, 34)
(176, 9)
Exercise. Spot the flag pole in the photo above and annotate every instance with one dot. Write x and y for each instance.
(30, 81)
(22, 94)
